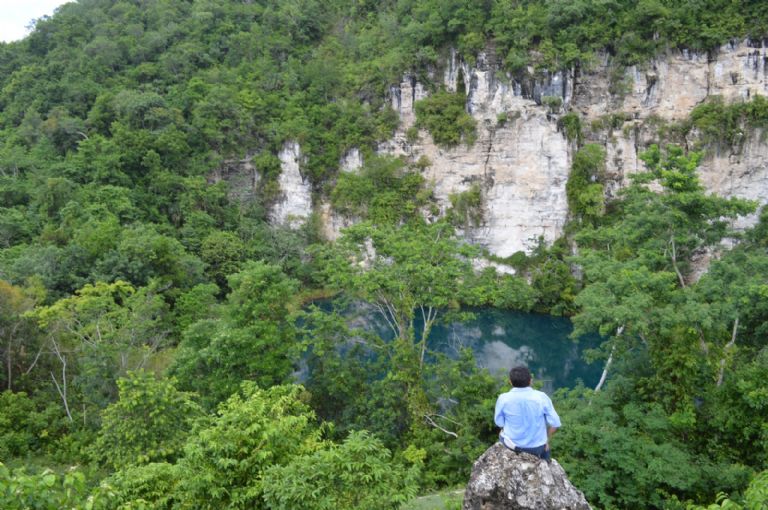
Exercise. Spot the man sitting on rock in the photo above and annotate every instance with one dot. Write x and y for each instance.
(526, 416)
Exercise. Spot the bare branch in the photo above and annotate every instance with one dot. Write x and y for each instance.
(34, 361)
(384, 313)
(63, 391)
(443, 417)
(428, 318)
(674, 261)
(438, 427)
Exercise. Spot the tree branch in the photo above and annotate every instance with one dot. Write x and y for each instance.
(727, 348)
(383, 312)
(674, 261)
(62, 391)
(429, 318)
(34, 361)
(432, 422)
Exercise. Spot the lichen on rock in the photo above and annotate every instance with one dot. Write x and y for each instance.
(504, 480)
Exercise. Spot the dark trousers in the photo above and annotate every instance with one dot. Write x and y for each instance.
(540, 451)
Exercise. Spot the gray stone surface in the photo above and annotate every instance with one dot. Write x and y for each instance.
(504, 480)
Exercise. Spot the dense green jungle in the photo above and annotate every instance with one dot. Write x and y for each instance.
(152, 324)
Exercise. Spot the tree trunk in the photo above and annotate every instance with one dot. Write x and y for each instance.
(727, 348)
(9, 364)
(604, 375)
(62, 388)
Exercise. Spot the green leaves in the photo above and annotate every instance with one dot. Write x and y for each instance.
(755, 497)
(443, 114)
(253, 338)
(606, 444)
(332, 478)
(637, 267)
(728, 124)
(149, 422)
(402, 269)
(686, 356)
(383, 192)
(43, 491)
(584, 188)
(254, 430)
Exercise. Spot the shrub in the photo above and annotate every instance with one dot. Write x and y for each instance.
(254, 429)
(552, 102)
(584, 189)
(148, 423)
(25, 429)
(720, 123)
(17, 436)
(333, 478)
(570, 124)
(466, 207)
(443, 114)
(44, 491)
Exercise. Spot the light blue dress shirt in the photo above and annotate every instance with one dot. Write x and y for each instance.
(524, 415)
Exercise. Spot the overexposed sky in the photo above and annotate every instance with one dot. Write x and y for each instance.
(16, 14)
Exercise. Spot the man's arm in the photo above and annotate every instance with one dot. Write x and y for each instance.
(553, 420)
(550, 432)
(498, 415)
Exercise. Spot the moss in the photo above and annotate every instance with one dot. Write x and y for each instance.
(422, 163)
(619, 83)
(412, 134)
(611, 121)
(716, 123)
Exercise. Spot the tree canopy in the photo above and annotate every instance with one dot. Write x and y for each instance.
(154, 323)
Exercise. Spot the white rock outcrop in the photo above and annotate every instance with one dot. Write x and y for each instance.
(295, 201)
(523, 165)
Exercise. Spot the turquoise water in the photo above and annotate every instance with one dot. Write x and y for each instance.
(501, 339)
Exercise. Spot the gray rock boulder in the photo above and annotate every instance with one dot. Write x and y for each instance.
(504, 480)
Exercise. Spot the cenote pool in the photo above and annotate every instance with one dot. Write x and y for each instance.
(503, 338)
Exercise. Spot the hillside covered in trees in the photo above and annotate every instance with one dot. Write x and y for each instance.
(159, 340)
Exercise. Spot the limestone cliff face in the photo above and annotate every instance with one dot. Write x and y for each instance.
(743, 173)
(666, 90)
(521, 160)
(295, 202)
(669, 87)
(521, 163)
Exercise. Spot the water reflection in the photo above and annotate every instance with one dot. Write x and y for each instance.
(501, 339)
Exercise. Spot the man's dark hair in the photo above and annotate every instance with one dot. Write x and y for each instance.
(520, 377)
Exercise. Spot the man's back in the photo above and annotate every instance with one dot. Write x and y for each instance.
(524, 415)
